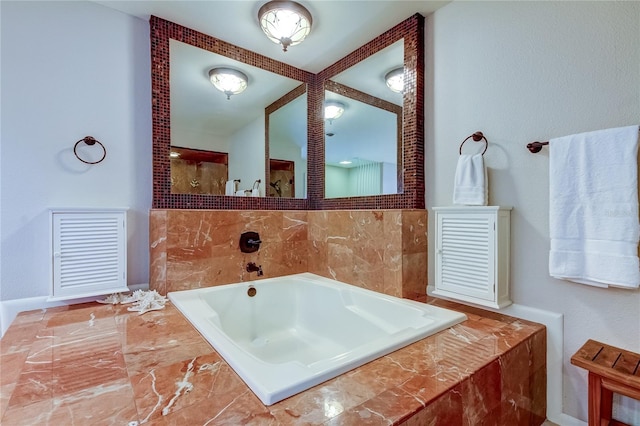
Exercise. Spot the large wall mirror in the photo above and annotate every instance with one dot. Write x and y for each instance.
(282, 141)
(399, 149)
(190, 114)
(206, 120)
(363, 146)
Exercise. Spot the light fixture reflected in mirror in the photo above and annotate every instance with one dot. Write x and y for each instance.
(395, 80)
(228, 81)
(333, 110)
(285, 22)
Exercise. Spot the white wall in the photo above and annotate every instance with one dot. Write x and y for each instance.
(389, 178)
(525, 71)
(246, 155)
(70, 69)
(336, 181)
(197, 138)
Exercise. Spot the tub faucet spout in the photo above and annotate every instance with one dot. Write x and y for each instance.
(252, 267)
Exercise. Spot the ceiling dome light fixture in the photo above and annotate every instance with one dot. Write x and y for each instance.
(395, 80)
(228, 81)
(285, 22)
(333, 110)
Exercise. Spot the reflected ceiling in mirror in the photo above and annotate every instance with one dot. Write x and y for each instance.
(203, 118)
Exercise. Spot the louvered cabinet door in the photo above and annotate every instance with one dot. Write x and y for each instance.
(472, 254)
(89, 253)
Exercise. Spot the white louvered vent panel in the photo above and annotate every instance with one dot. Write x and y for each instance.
(465, 258)
(472, 254)
(89, 252)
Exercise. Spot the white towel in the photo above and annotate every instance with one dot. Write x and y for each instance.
(593, 208)
(470, 183)
(230, 188)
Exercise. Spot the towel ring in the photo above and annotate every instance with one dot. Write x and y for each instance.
(477, 137)
(90, 140)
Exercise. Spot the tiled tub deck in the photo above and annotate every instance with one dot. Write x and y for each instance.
(102, 365)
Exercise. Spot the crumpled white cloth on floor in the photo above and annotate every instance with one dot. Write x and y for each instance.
(142, 300)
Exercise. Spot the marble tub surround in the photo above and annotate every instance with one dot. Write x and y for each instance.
(101, 364)
(200, 248)
(381, 250)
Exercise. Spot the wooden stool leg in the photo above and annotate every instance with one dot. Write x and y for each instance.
(600, 402)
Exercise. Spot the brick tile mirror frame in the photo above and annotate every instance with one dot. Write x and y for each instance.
(410, 30)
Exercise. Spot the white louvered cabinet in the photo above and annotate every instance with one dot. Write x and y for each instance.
(472, 254)
(88, 252)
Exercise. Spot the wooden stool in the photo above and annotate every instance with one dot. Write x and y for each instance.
(610, 370)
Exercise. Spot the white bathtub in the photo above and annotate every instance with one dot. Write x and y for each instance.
(301, 330)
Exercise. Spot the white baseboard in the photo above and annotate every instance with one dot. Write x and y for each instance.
(10, 308)
(566, 420)
(626, 410)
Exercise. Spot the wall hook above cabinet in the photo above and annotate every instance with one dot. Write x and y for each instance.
(90, 140)
(477, 137)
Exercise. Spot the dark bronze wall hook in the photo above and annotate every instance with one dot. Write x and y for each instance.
(477, 137)
(89, 140)
(536, 146)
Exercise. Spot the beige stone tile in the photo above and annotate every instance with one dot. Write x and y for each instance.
(295, 226)
(414, 231)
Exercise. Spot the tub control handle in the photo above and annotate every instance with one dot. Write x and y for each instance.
(250, 242)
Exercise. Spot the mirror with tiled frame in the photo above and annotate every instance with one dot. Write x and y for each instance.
(411, 31)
